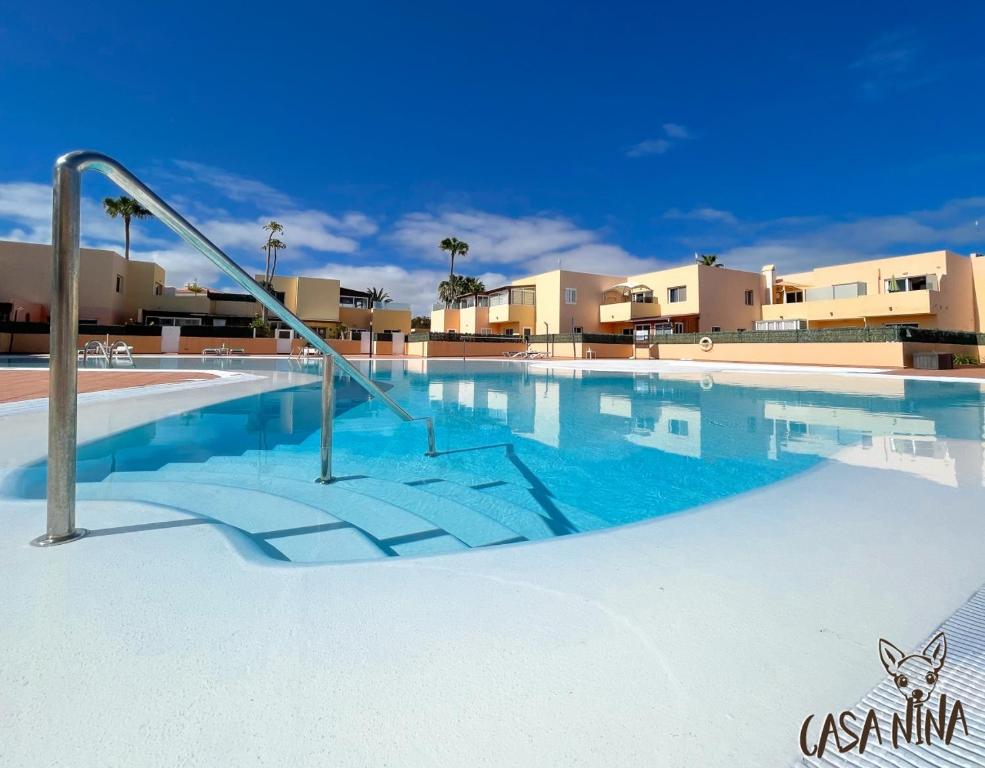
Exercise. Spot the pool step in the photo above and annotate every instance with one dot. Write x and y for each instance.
(425, 523)
(518, 512)
(281, 528)
(501, 483)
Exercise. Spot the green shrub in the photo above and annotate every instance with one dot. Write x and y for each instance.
(262, 327)
(965, 360)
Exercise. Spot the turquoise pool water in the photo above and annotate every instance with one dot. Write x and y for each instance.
(527, 452)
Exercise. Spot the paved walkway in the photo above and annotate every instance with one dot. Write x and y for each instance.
(17, 385)
(964, 372)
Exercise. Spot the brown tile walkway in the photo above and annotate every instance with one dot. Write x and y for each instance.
(27, 385)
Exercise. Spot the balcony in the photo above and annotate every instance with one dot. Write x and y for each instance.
(625, 311)
(512, 313)
(882, 305)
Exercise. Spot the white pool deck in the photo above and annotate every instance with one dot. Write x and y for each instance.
(697, 639)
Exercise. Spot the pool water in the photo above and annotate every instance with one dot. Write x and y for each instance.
(527, 452)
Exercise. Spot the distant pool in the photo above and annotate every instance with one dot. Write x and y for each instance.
(528, 452)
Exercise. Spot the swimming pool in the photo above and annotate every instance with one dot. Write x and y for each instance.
(528, 452)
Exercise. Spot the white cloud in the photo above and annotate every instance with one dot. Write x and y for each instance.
(649, 147)
(183, 264)
(702, 214)
(675, 131)
(798, 244)
(672, 134)
(417, 287)
(519, 246)
(27, 206)
(313, 230)
(493, 239)
(891, 63)
(236, 187)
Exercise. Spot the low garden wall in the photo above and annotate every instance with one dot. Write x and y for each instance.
(873, 347)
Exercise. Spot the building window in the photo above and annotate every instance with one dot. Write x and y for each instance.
(578, 329)
(158, 289)
(570, 295)
(749, 298)
(793, 297)
(678, 327)
(527, 332)
(916, 283)
(643, 297)
(677, 294)
(119, 283)
(716, 328)
(677, 427)
(779, 325)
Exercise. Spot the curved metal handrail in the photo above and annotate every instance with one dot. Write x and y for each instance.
(84, 160)
(62, 410)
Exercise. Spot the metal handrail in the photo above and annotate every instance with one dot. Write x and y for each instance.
(64, 311)
(95, 349)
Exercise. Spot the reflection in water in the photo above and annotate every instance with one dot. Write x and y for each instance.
(927, 429)
(620, 447)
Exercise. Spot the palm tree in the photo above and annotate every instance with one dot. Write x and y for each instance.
(377, 295)
(273, 244)
(708, 260)
(449, 290)
(454, 247)
(129, 209)
(472, 285)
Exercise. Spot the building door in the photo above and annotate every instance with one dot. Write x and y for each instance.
(285, 338)
(170, 339)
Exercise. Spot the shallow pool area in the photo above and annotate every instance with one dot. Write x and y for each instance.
(526, 453)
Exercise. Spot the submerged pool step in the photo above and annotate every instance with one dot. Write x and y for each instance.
(471, 507)
(472, 527)
(529, 514)
(281, 528)
(381, 521)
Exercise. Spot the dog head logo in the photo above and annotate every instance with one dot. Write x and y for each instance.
(920, 722)
(915, 675)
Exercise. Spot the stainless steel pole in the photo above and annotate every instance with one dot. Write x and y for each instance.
(327, 418)
(63, 382)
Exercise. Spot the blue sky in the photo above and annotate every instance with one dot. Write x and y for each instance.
(613, 137)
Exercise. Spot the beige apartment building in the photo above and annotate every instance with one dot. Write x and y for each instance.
(114, 291)
(694, 298)
(940, 289)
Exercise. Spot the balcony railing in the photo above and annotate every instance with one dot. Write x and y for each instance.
(842, 291)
